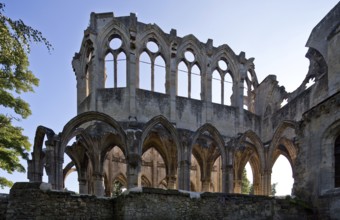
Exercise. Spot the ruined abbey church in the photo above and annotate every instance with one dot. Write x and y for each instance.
(175, 120)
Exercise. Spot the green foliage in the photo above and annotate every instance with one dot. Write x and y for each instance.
(15, 78)
(273, 192)
(246, 186)
(117, 188)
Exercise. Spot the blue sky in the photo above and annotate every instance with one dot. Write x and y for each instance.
(274, 32)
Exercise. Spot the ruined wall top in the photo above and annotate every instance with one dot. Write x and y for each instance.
(323, 30)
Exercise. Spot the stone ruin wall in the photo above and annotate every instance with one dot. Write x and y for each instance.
(36, 201)
(304, 130)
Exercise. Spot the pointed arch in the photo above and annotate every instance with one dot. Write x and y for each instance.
(191, 43)
(224, 52)
(257, 143)
(206, 146)
(214, 132)
(286, 148)
(36, 164)
(154, 33)
(74, 124)
(160, 119)
(278, 134)
(111, 29)
(169, 152)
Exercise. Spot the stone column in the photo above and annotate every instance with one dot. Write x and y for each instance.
(83, 189)
(132, 67)
(98, 184)
(50, 165)
(154, 172)
(208, 83)
(257, 189)
(134, 170)
(206, 185)
(266, 183)
(229, 171)
(238, 186)
(59, 180)
(227, 179)
(184, 175)
(172, 87)
(240, 98)
(171, 180)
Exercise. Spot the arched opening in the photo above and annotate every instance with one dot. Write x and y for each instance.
(109, 71)
(195, 83)
(337, 162)
(282, 177)
(250, 177)
(189, 56)
(216, 88)
(70, 175)
(310, 82)
(153, 168)
(115, 43)
(115, 70)
(145, 71)
(248, 94)
(284, 102)
(152, 46)
(182, 80)
(121, 70)
(114, 167)
(228, 89)
(248, 164)
(159, 75)
(87, 81)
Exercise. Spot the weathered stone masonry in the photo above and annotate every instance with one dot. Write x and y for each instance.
(180, 136)
(36, 201)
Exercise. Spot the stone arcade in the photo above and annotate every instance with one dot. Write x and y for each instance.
(176, 135)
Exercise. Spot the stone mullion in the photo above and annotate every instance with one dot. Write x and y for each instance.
(222, 90)
(189, 81)
(115, 71)
(152, 74)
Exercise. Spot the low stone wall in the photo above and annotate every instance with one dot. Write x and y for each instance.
(150, 203)
(37, 201)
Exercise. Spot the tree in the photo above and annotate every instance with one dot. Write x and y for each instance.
(117, 188)
(15, 78)
(273, 192)
(246, 186)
